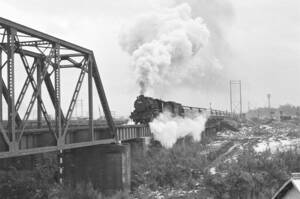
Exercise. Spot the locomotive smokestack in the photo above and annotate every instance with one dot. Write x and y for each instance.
(143, 88)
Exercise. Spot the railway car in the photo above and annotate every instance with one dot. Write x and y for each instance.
(174, 108)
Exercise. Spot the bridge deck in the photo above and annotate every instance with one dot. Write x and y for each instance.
(40, 140)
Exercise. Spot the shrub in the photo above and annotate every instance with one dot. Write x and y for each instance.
(253, 175)
(28, 184)
(179, 166)
(82, 191)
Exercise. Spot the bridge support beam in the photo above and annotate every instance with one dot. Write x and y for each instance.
(107, 167)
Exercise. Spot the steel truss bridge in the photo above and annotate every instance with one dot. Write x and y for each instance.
(43, 58)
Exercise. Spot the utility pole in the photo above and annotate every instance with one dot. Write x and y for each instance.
(81, 101)
(230, 87)
(249, 106)
(236, 105)
(76, 109)
(269, 100)
(241, 106)
(269, 104)
(81, 108)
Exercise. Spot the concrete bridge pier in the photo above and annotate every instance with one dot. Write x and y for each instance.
(107, 167)
(138, 146)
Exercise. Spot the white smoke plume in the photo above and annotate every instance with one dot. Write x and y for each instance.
(215, 63)
(163, 44)
(167, 129)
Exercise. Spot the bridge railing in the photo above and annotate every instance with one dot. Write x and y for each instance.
(128, 132)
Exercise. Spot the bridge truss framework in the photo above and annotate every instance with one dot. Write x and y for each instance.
(43, 57)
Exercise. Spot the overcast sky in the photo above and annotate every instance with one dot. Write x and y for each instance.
(262, 45)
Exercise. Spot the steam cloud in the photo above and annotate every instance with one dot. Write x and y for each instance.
(163, 45)
(167, 129)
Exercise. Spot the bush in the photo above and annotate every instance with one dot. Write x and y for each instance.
(180, 166)
(28, 184)
(253, 175)
(82, 191)
(250, 175)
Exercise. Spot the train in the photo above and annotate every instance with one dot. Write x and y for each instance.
(148, 108)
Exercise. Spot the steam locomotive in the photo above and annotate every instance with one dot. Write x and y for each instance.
(147, 108)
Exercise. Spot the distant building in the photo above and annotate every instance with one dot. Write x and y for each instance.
(290, 189)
